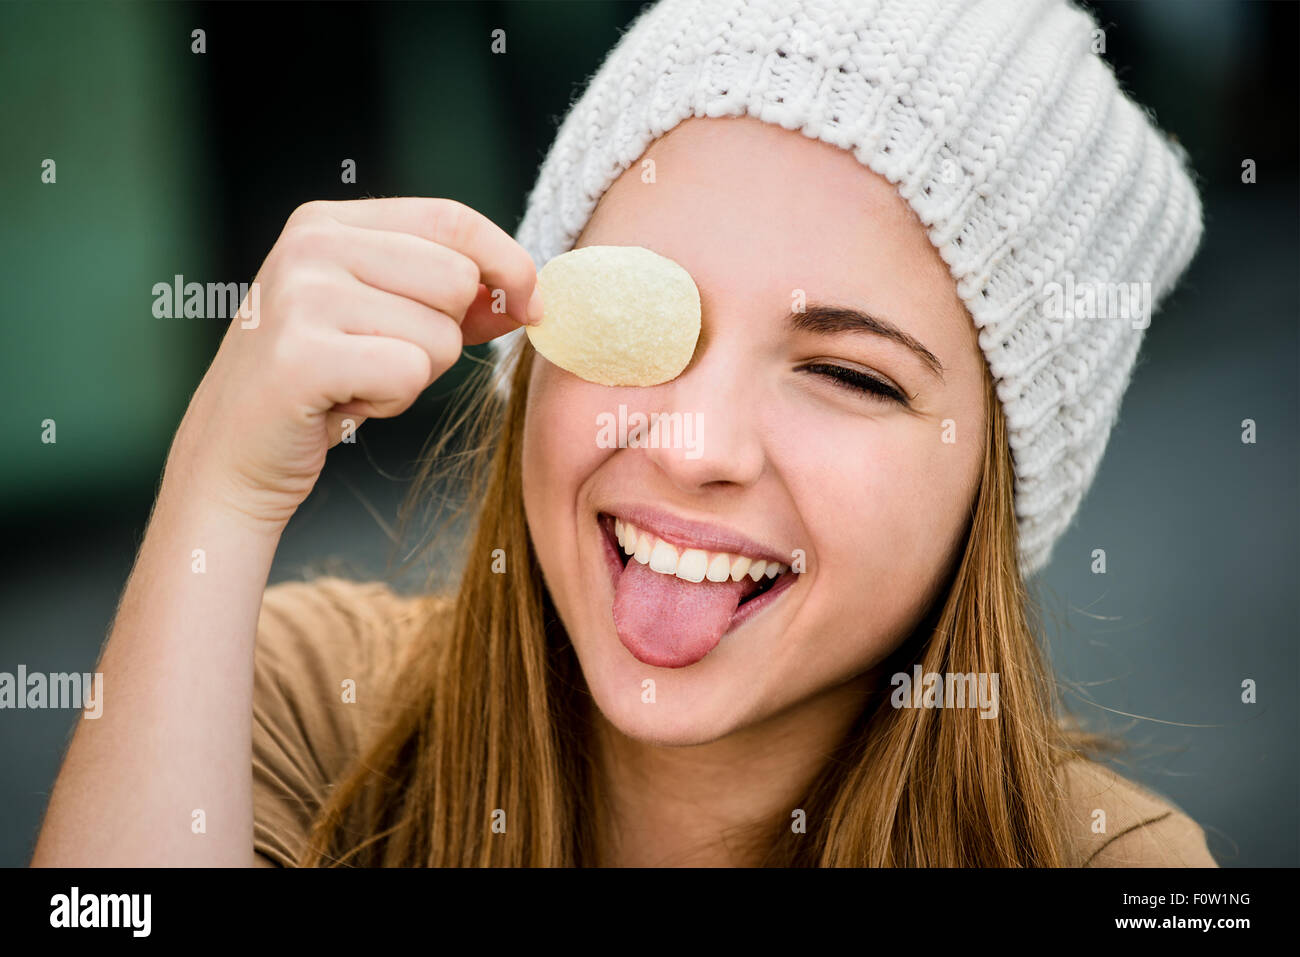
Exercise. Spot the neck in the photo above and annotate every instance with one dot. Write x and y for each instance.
(715, 804)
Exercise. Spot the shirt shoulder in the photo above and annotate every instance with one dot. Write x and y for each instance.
(1114, 822)
(326, 651)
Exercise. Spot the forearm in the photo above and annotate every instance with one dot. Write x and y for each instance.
(173, 739)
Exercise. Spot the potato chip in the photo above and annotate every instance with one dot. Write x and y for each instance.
(617, 315)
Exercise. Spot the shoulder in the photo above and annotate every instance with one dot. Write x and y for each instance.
(325, 654)
(1114, 822)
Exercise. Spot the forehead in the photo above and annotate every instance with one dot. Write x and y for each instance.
(755, 211)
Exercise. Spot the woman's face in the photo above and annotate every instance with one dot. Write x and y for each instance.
(866, 496)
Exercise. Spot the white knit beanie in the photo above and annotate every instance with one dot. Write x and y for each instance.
(1037, 179)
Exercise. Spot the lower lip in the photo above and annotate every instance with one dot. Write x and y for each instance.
(743, 612)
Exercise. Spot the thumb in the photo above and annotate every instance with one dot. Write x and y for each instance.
(490, 316)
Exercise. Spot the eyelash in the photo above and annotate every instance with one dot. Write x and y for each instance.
(858, 382)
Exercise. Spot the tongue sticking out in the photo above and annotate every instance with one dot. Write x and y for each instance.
(670, 623)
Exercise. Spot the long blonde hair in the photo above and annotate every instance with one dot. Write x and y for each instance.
(491, 713)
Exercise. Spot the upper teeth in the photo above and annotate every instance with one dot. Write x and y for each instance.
(690, 564)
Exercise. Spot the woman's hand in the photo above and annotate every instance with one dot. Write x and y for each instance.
(360, 306)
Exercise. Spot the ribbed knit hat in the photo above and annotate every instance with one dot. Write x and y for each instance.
(1037, 179)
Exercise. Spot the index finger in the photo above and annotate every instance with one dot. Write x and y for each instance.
(502, 262)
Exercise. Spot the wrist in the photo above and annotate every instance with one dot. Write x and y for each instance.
(213, 499)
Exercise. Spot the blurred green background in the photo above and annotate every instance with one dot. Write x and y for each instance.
(170, 162)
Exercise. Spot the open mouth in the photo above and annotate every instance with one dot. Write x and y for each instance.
(753, 589)
(666, 611)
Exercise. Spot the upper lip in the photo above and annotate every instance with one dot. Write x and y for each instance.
(687, 533)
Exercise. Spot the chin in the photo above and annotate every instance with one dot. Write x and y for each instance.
(677, 717)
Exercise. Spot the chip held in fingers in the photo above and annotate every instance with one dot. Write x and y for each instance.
(617, 315)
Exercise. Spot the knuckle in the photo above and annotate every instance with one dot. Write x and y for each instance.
(308, 239)
(463, 282)
(406, 372)
(446, 344)
(467, 275)
(416, 375)
(313, 209)
(299, 296)
(452, 223)
(289, 357)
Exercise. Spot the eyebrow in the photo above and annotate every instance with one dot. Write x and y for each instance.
(825, 319)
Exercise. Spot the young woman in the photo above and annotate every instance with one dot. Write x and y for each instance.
(874, 201)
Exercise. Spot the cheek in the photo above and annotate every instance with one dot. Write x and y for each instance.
(884, 503)
(559, 432)
(559, 454)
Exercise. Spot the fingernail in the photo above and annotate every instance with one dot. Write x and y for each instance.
(535, 309)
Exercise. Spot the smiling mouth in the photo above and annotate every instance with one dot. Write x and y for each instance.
(674, 603)
(753, 587)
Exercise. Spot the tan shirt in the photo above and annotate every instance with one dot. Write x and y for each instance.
(314, 637)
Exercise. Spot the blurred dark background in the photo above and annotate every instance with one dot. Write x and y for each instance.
(170, 162)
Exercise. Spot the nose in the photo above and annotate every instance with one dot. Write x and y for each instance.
(710, 434)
